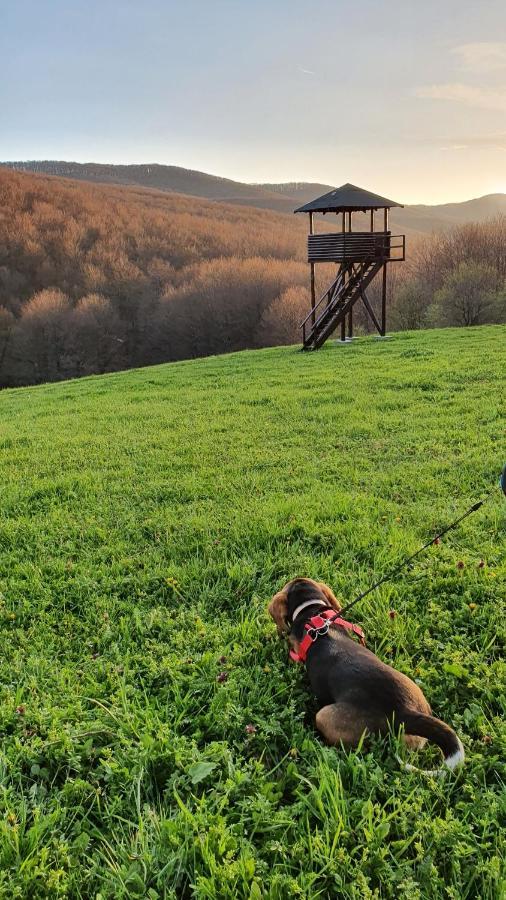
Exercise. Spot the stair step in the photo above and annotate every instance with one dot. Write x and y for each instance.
(343, 298)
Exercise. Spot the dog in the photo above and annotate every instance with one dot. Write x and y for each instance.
(357, 693)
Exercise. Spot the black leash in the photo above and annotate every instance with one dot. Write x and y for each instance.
(405, 562)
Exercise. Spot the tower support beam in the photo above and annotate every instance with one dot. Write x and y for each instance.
(384, 301)
(313, 292)
(370, 310)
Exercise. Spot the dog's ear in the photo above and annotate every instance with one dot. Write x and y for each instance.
(329, 596)
(278, 610)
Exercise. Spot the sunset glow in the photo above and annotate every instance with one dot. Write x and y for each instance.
(412, 106)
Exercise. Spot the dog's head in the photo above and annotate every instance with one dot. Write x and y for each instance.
(299, 590)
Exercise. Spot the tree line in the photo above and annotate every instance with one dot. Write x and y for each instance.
(95, 278)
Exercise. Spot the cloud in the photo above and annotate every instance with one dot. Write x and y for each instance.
(478, 97)
(482, 56)
(490, 140)
(456, 142)
(306, 71)
(485, 141)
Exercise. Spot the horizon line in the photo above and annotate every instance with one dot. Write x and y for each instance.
(259, 184)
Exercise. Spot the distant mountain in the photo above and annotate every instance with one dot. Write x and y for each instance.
(172, 179)
(299, 192)
(412, 220)
(417, 218)
(423, 219)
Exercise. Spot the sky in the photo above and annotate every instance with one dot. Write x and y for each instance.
(407, 99)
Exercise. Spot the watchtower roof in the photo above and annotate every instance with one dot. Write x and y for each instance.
(347, 198)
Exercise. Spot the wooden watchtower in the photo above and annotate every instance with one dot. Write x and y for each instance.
(360, 256)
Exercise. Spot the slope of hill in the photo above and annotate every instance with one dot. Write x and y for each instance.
(134, 275)
(172, 179)
(413, 220)
(156, 741)
(425, 219)
(415, 217)
(297, 192)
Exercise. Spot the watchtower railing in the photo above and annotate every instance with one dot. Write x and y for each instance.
(356, 246)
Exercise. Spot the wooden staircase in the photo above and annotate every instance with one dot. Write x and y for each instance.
(337, 301)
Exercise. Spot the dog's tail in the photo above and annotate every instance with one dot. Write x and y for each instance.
(437, 732)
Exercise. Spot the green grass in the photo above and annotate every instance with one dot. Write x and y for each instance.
(146, 519)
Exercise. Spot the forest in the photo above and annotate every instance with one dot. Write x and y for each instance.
(99, 278)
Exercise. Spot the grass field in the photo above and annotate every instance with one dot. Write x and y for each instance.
(146, 519)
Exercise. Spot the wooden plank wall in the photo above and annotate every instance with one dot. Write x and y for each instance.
(341, 246)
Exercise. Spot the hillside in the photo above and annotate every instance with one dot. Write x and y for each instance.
(172, 179)
(96, 277)
(156, 740)
(413, 220)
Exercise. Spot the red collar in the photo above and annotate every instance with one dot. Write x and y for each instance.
(319, 626)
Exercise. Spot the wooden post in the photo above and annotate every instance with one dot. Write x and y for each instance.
(384, 302)
(313, 295)
(384, 285)
(350, 314)
(372, 220)
(343, 323)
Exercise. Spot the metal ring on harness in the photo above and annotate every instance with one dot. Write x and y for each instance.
(318, 632)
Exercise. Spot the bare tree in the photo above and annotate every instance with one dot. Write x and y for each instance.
(280, 323)
(409, 306)
(45, 337)
(7, 324)
(98, 335)
(469, 296)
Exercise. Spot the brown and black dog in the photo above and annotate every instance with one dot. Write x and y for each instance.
(356, 691)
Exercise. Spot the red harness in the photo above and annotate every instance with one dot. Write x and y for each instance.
(319, 626)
